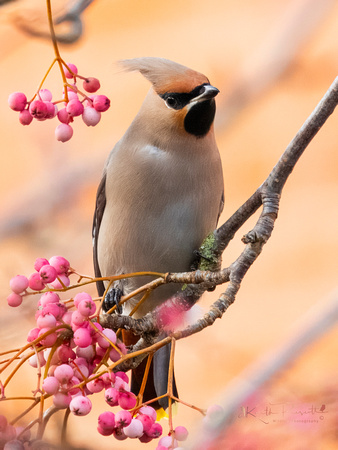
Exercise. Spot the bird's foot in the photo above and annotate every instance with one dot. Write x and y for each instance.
(112, 299)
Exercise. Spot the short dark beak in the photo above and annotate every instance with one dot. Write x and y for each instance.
(208, 93)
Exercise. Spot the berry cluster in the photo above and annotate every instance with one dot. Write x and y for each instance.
(11, 437)
(73, 104)
(76, 353)
(54, 272)
(73, 348)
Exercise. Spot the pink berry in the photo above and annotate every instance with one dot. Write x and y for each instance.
(38, 109)
(107, 420)
(14, 444)
(14, 300)
(56, 309)
(39, 262)
(127, 400)
(95, 386)
(25, 434)
(108, 379)
(146, 422)
(49, 297)
(37, 360)
(121, 375)
(25, 117)
(33, 334)
(101, 103)
(9, 434)
(56, 284)
(35, 282)
(51, 110)
(63, 132)
(48, 273)
(51, 385)
(62, 400)
(90, 116)
(82, 337)
(181, 433)
(145, 439)
(80, 405)
(74, 108)
(72, 95)
(111, 396)
(122, 347)
(63, 373)
(149, 411)
(123, 418)
(119, 434)
(63, 116)
(168, 442)
(3, 423)
(50, 339)
(81, 296)
(87, 308)
(114, 355)
(60, 263)
(17, 101)
(45, 95)
(121, 385)
(46, 320)
(70, 386)
(134, 429)
(91, 84)
(105, 431)
(88, 353)
(78, 319)
(67, 317)
(73, 68)
(155, 430)
(110, 334)
(65, 353)
(19, 284)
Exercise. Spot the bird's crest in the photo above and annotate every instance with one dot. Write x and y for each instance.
(166, 75)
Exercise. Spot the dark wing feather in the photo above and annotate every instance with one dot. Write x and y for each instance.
(221, 206)
(98, 214)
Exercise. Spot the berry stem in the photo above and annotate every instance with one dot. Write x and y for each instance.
(55, 46)
(64, 428)
(145, 378)
(196, 408)
(26, 411)
(170, 383)
(43, 80)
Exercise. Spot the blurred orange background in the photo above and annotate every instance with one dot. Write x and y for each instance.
(272, 61)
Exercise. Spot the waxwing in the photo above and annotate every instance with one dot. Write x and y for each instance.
(160, 195)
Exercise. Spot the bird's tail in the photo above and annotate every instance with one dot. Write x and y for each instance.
(157, 381)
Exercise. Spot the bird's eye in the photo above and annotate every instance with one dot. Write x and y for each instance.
(171, 102)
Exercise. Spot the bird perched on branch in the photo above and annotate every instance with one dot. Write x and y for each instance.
(161, 194)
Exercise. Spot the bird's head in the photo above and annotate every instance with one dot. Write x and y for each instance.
(180, 98)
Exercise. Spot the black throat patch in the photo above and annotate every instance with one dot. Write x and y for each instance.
(200, 118)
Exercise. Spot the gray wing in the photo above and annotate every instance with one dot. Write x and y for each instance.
(98, 214)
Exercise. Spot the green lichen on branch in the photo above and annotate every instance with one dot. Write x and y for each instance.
(209, 260)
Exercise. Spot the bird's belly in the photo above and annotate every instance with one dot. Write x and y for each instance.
(163, 241)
